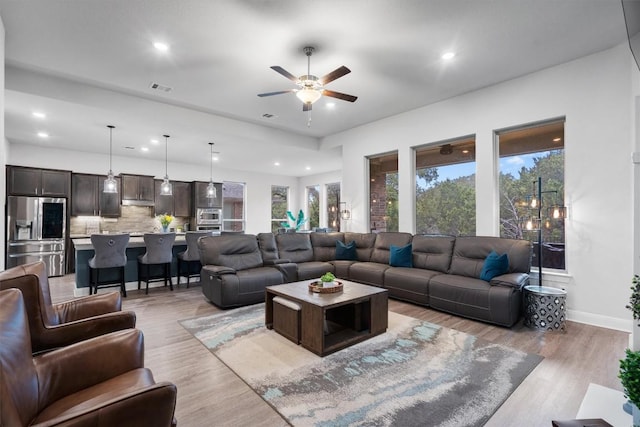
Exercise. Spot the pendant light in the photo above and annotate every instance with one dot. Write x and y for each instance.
(110, 184)
(165, 188)
(212, 193)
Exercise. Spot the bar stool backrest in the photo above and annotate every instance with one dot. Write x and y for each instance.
(110, 250)
(159, 248)
(193, 253)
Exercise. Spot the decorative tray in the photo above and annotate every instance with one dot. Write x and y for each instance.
(318, 287)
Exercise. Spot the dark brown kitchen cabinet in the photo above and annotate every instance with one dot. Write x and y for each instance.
(137, 190)
(88, 199)
(200, 195)
(24, 181)
(178, 204)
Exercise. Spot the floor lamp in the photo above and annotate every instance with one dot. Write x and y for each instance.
(534, 222)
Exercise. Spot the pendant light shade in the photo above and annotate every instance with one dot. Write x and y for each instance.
(110, 184)
(166, 187)
(212, 193)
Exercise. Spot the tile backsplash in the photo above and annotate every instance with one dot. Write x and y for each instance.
(133, 219)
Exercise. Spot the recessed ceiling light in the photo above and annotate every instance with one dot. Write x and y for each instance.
(162, 47)
(465, 151)
(43, 135)
(308, 168)
(557, 139)
(154, 141)
(215, 158)
(276, 164)
(331, 105)
(448, 55)
(39, 115)
(144, 149)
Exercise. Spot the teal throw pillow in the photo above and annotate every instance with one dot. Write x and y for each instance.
(346, 252)
(494, 265)
(401, 256)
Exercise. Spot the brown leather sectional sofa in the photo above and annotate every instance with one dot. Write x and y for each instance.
(445, 273)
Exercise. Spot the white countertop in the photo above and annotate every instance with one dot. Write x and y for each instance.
(134, 242)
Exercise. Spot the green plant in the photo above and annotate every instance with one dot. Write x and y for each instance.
(327, 277)
(634, 300)
(630, 376)
(294, 222)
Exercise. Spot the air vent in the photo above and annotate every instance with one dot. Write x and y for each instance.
(268, 116)
(158, 86)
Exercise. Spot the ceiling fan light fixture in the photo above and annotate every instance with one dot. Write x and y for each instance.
(308, 96)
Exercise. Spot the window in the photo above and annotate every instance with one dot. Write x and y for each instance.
(446, 188)
(279, 206)
(313, 206)
(527, 154)
(383, 193)
(333, 206)
(233, 206)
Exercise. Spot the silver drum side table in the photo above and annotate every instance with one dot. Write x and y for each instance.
(545, 308)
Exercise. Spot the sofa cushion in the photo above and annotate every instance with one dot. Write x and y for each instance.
(364, 244)
(268, 248)
(469, 254)
(371, 273)
(410, 284)
(433, 252)
(382, 247)
(341, 268)
(346, 251)
(296, 247)
(475, 298)
(400, 256)
(313, 269)
(324, 245)
(237, 251)
(494, 265)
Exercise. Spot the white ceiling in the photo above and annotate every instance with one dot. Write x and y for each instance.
(89, 63)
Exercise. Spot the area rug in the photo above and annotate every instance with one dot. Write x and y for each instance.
(415, 374)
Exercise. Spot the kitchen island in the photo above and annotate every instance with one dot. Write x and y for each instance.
(84, 252)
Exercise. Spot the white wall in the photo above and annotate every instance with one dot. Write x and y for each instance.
(3, 147)
(258, 185)
(593, 94)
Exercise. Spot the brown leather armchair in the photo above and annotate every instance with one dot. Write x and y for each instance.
(57, 325)
(98, 382)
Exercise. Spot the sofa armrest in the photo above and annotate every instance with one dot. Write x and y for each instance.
(218, 270)
(515, 280)
(289, 271)
(69, 369)
(272, 262)
(88, 306)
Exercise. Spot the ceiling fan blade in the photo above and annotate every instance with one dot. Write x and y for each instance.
(306, 107)
(275, 93)
(339, 95)
(284, 72)
(335, 74)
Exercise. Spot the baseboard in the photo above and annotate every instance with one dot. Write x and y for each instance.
(600, 320)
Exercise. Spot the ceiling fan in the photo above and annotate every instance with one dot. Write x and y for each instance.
(311, 88)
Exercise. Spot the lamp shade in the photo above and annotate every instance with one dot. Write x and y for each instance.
(308, 96)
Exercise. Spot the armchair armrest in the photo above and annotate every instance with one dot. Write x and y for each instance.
(92, 305)
(515, 280)
(69, 369)
(78, 330)
(219, 269)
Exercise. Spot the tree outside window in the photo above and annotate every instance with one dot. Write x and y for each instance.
(333, 206)
(279, 206)
(383, 192)
(445, 188)
(313, 206)
(526, 154)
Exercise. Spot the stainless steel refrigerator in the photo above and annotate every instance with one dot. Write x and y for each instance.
(36, 230)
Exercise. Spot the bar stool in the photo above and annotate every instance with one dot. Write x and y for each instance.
(110, 253)
(191, 257)
(159, 252)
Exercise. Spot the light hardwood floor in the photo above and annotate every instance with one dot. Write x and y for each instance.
(210, 394)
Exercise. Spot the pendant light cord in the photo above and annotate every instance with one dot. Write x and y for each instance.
(111, 127)
(211, 163)
(166, 156)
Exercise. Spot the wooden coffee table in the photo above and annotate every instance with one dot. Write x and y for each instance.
(330, 322)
